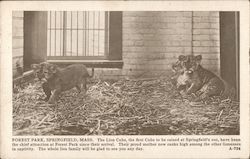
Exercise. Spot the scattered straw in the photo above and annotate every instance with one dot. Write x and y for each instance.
(125, 107)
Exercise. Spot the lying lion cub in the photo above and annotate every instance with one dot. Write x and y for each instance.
(197, 79)
(60, 80)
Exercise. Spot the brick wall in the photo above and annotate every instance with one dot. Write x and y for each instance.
(153, 40)
(17, 41)
(206, 38)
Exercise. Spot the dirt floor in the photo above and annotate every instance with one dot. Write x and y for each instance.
(124, 107)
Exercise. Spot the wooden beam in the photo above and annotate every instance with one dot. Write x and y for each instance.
(91, 63)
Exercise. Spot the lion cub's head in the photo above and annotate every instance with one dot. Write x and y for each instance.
(44, 70)
(49, 70)
(188, 63)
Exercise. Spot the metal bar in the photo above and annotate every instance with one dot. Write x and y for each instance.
(48, 20)
(192, 29)
(83, 14)
(85, 26)
(60, 50)
(98, 33)
(64, 32)
(61, 32)
(77, 34)
(93, 33)
(71, 33)
(50, 35)
(88, 34)
(55, 35)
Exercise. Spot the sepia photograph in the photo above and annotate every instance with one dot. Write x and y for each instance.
(124, 79)
(125, 73)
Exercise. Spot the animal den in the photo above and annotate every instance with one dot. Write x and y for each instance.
(124, 44)
(124, 107)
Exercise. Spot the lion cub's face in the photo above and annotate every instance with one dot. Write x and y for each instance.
(190, 62)
(49, 70)
(44, 70)
(38, 70)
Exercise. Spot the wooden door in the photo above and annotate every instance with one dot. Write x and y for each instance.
(229, 48)
(35, 37)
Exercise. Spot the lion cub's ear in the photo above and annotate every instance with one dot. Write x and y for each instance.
(35, 66)
(198, 59)
(181, 57)
(53, 68)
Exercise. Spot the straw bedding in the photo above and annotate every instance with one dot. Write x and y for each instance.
(123, 107)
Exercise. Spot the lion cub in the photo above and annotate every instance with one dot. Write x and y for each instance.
(60, 80)
(195, 78)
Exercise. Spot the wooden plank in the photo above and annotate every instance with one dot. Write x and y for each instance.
(35, 37)
(229, 50)
(75, 57)
(27, 76)
(115, 36)
(91, 63)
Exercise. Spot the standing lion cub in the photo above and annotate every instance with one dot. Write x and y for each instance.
(62, 79)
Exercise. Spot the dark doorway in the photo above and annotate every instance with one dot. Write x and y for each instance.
(35, 37)
(229, 48)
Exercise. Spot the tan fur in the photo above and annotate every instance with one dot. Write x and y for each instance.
(38, 69)
(60, 80)
(196, 78)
